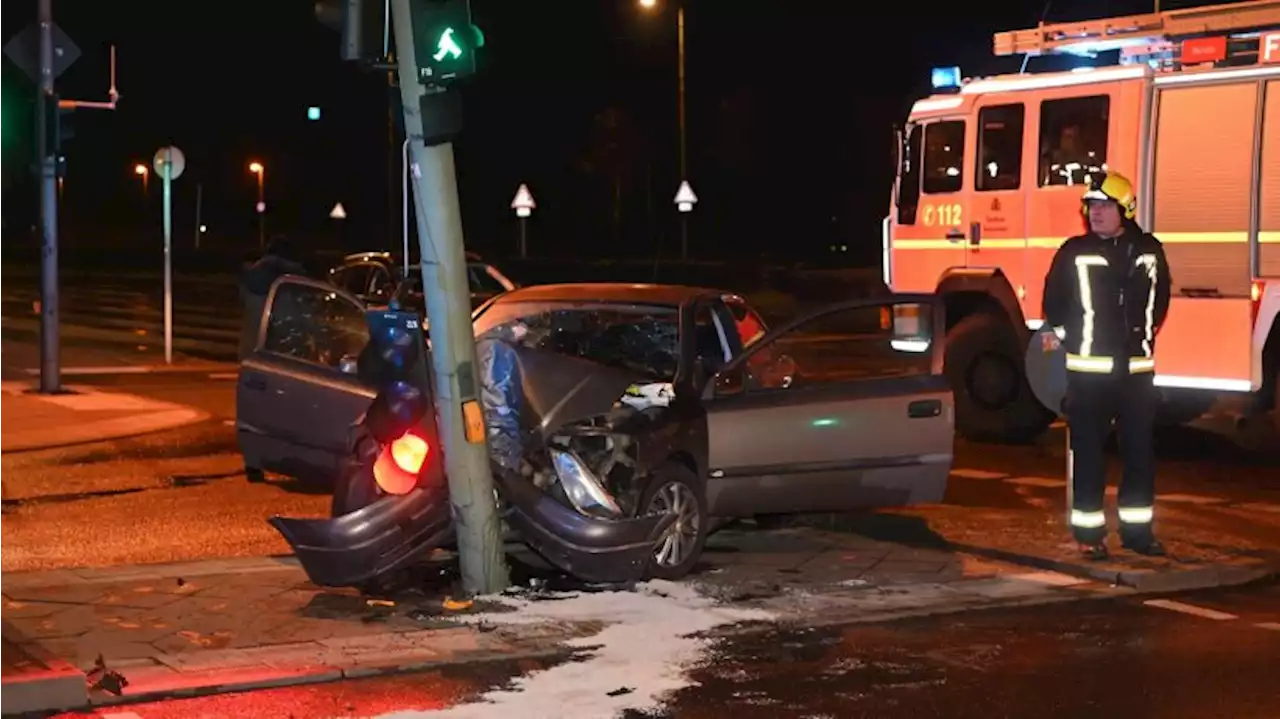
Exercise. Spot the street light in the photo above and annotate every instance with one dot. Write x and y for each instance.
(256, 168)
(684, 163)
(144, 172)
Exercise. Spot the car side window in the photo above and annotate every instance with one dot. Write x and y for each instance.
(751, 328)
(482, 282)
(356, 279)
(314, 324)
(711, 346)
(867, 342)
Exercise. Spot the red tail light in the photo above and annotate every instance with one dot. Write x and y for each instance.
(1255, 297)
(397, 467)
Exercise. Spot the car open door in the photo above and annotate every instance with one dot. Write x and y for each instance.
(298, 392)
(844, 408)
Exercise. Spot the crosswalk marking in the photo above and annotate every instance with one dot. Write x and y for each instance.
(1262, 507)
(1191, 609)
(1189, 498)
(977, 474)
(1036, 482)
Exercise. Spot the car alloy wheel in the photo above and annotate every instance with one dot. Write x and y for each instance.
(680, 541)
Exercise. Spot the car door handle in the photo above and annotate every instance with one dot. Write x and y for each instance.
(955, 235)
(924, 408)
(255, 383)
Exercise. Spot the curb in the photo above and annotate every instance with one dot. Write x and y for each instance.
(1140, 580)
(105, 430)
(54, 684)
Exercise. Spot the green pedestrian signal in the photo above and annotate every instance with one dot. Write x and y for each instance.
(445, 41)
(447, 46)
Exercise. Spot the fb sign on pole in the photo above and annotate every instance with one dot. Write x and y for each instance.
(169, 164)
(524, 206)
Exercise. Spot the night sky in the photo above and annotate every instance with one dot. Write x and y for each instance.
(791, 106)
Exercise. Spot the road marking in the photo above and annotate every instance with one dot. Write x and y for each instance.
(224, 375)
(1273, 626)
(1189, 498)
(1262, 507)
(1189, 609)
(977, 474)
(1053, 579)
(1036, 482)
(104, 369)
(121, 715)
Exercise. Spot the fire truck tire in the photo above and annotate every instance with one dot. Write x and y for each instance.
(984, 364)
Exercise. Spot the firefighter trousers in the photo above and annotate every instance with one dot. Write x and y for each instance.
(1094, 403)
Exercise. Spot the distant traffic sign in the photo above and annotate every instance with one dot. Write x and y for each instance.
(24, 50)
(169, 163)
(523, 202)
(685, 199)
(338, 212)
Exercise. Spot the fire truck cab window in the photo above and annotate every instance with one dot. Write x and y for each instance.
(909, 178)
(999, 165)
(943, 157)
(1073, 139)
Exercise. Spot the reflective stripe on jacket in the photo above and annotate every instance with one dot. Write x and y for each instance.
(1106, 299)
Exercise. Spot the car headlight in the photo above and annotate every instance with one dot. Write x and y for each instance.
(583, 488)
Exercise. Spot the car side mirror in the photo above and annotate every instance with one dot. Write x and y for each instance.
(725, 384)
(348, 365)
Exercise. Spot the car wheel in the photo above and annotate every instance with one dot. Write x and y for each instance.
(676, 489)
(984, 364)
(254, 475)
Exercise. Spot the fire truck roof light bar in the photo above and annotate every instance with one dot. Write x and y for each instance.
(1092, 36)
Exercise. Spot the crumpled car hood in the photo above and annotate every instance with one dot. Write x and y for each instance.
(559, 389)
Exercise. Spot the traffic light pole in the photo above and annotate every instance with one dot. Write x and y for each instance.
(444, 282)
(47, 109)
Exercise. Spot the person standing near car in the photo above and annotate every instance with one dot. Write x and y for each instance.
(1105, 298)
(255, 283)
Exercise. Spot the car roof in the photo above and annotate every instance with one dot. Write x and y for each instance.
(620, 292)
(386, 256)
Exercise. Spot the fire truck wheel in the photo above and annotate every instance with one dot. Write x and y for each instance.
(994, 403)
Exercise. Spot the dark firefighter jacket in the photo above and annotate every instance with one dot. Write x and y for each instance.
(1107, 299)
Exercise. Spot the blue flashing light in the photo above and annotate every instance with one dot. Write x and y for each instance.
(946, 78)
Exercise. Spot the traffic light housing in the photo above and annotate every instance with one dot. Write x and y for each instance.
(444, 40)
(395, 363)
(363, 25)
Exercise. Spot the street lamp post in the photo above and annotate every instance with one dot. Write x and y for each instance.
(256, 168)
(684, 156)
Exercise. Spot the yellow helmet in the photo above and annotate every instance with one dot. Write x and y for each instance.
(1115, 187)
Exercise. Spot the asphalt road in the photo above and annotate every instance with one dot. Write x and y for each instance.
(1198, 655)
(180, 495)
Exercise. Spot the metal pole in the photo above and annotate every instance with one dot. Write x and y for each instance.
(444, 282)
(404, 200)
(168, 256)
(684, 157)
(524, 238)
(199, 205)
(47, 109)
(262, 211)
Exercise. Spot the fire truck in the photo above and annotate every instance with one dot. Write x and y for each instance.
(990, 173)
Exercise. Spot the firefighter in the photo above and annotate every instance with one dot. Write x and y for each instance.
(1105, 297)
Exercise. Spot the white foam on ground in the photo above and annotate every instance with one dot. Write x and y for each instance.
(646, 647)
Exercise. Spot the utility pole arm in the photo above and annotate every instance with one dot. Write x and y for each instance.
(453, 353)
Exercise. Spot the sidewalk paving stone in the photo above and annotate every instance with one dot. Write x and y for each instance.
(34, 421)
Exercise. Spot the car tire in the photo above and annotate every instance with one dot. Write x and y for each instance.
(675, 479)
(985, 366)
(254, 475)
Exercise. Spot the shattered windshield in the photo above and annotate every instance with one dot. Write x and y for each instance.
(639, 338)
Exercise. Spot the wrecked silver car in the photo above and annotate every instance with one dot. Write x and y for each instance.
(622, 418)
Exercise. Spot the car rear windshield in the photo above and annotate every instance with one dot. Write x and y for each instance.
(639, 338)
